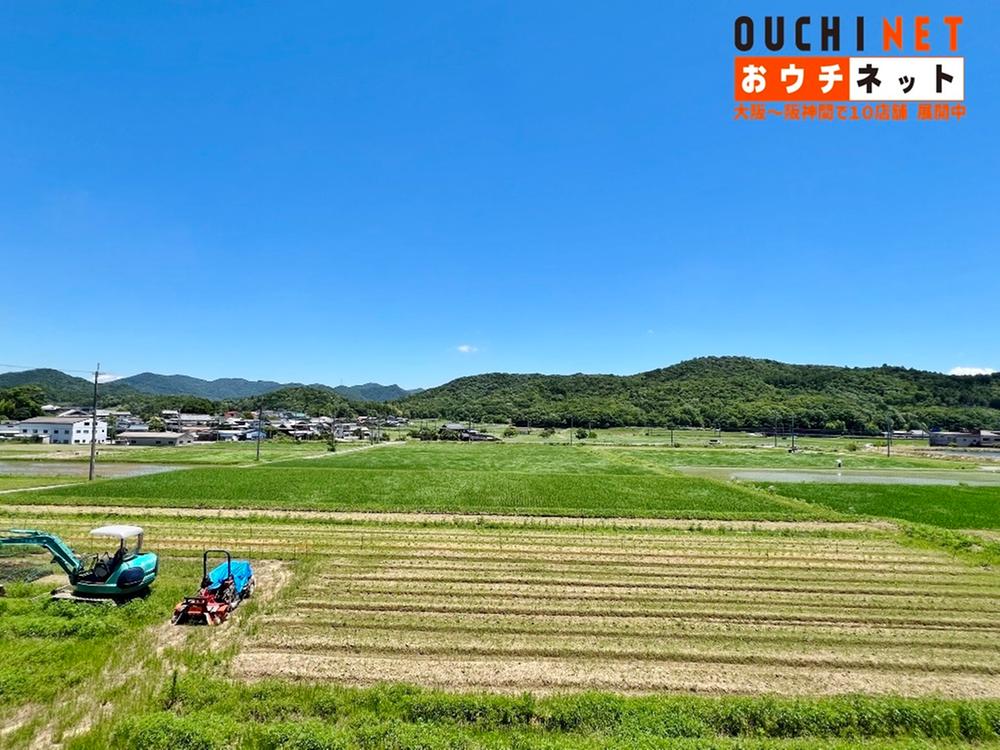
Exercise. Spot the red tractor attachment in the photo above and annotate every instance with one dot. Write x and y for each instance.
(222, 591)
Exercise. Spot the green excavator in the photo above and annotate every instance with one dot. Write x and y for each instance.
(111, 576)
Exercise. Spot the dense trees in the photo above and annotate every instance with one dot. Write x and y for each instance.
(725, 392)
(21, 402)
(312, 400)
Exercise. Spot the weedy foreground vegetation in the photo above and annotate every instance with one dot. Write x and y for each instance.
(808, 629)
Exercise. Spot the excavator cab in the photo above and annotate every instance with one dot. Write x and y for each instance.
(114, 576)
(102, 565)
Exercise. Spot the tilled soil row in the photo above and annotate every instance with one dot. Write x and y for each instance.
(627, 588)
(972, 579)
(698, 599)
(885, 660)
(543, 675)
(750, 566)
(777, 617)
(698, 631)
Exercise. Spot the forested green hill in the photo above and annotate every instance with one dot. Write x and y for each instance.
(729, 392)
(54, 385)
(312, 399)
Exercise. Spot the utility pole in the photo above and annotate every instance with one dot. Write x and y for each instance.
(775, 432)
(260, 425)
(793, 434)
(888, 436)
(93, 429)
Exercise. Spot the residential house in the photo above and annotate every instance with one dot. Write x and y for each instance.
(456, 431)
(155, 438)
(974, 439)
(63, 430)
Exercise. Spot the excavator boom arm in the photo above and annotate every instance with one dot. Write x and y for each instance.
(62, 555)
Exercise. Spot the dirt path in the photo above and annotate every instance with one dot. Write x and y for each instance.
(452, 518)
(38, 489)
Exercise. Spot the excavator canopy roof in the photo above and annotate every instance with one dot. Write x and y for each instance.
(117, 531)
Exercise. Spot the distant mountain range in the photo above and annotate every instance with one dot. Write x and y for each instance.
(60, 387)
(185, 385)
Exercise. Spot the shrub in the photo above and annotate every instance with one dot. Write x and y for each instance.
(307, 735)
(166, 732)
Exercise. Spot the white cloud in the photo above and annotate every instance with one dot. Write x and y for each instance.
(467, 348)
(108, 377)
(971, 371)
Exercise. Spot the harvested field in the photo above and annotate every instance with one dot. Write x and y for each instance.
(553, 610)
(791, 610)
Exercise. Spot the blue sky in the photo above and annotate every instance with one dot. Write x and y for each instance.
(410, 192)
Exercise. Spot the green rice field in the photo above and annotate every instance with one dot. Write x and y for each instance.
(529, 480)
(946, 506)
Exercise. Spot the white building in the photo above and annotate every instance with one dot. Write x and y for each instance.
(67, 430)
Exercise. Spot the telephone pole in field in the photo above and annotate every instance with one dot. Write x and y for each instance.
(93, 429)
(260, 425)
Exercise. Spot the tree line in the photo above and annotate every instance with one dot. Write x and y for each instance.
(724, 392)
